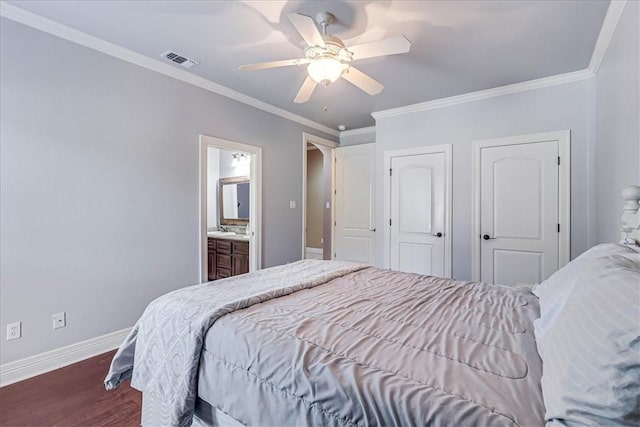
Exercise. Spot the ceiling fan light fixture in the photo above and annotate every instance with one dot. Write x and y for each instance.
(326, 70)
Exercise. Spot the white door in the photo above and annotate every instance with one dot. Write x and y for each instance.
(418, 213)
(519, 212)
(355, 202)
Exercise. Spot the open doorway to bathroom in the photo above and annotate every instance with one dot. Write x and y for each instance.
(318, 194)
(230, 184)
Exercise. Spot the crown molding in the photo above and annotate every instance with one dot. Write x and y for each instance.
(38, 22)
(359, 131)
(607, 30)
(574, 76)
(614, 12)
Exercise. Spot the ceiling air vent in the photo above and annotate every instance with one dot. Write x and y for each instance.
(179, 59)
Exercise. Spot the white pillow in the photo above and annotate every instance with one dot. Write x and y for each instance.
(588, 336)
(554, 292)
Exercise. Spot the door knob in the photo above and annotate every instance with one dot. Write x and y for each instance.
(438, 234)
(372, 229)
(487, 237)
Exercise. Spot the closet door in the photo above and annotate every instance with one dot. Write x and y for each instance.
(419, 206)
(519, 213)
(522, 207)
(355, 232)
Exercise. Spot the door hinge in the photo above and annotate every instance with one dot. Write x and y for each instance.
(558, 160)
(558, 228)
(390, 172)
(389, 222)
(335, 191)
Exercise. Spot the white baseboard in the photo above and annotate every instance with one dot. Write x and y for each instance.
(313, 253)
(28, 367)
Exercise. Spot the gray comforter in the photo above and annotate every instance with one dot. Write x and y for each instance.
(379, 348)
(161, 354)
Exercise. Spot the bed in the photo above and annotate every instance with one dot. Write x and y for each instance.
(336, 343)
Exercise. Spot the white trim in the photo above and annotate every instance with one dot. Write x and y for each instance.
(38, 22)
(607, 30)
(255, 209)
(544, 82)
(33, 20)
(316, 140)
(28, 367)
(564, 191)
(609, 25)
(359, 131)
(448, 179)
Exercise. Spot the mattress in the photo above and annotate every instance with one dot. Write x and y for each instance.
(377, 347)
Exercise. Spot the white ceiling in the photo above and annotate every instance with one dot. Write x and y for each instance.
(457, 46)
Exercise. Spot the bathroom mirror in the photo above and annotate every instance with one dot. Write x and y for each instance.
(233, 197)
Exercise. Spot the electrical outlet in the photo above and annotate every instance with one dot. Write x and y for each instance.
(59, 320)
(14, 331)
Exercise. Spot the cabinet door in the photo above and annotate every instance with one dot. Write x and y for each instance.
(221, 273)
(223, 261)
(211, 265)
(240, 264)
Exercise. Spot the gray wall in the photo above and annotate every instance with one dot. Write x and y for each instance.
(550, 109)
(228, 171)
(347, 138)
(99, 186)
(617, 148)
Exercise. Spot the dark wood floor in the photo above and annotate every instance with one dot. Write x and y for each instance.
(70, 396)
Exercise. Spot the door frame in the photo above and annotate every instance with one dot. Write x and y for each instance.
(564, 191)
(448, 179)
(255, 196)
(316, 140)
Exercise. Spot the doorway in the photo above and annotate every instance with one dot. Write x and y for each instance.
(418, 209)
(233, 169)
(521, 226)
(318, 190)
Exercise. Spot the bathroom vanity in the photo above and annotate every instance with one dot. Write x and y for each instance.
(227, 256)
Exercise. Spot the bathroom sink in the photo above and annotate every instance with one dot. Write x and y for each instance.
(220, 233)
(227, 235)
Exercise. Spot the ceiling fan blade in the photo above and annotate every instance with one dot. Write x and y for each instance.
(363, 81)
(390, 46)
(305, 91)
(307, 29)
(273, 64)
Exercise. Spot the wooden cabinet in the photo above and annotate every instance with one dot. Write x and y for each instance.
(211, 259)
(227, 258)
(240, 254)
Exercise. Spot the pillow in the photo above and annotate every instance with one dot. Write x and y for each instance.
(588, 336)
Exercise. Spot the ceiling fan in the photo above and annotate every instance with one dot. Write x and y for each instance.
(329, 58)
